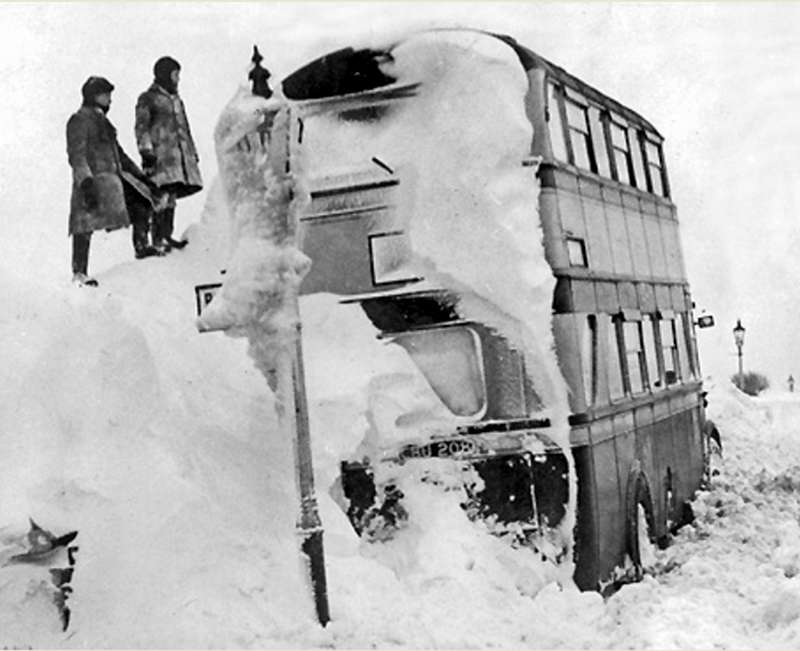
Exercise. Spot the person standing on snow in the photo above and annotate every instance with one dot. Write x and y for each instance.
(165, 144)
(103, 177)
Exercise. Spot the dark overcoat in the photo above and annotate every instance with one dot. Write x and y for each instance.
(93, 151)
(163, 129)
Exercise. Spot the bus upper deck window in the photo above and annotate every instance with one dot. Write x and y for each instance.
(557, 143)
(655, 169)
(580, 136)
(598, 142)
(621, 153)
(451, 361)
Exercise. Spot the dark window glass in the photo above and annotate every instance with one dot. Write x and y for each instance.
(598, 142)
(616, 387)
(651, 354)
(579, 135)
(621, 153)
(589, 357)
(634, 356)
(556, 126)
(655, 172)
(576, 250)
(669, 350)
(686, 342)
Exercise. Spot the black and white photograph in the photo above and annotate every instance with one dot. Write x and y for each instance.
(399, 325)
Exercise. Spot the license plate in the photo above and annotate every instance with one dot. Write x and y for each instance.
(452, 448)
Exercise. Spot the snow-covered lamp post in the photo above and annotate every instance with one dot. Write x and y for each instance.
(738, 336)
(259, 298)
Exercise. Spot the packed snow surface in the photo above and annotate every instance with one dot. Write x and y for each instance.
(119, 420)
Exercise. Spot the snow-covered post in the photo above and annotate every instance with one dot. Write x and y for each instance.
(259, 298)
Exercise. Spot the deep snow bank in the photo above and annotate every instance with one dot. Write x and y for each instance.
(179, 491)
(118, 420)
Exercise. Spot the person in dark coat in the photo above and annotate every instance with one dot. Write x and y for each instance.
(102, 177)
(169, 156)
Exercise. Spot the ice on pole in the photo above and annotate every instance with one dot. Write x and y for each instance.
(259, 298)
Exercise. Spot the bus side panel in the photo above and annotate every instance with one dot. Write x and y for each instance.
(555, 248)
(694, 426)
(597, 231)
(665, 458)
(688, 444)
(683, 484)
(645, 431)
(586, 535)
(625, 447)
(340, 251)
(610, 510)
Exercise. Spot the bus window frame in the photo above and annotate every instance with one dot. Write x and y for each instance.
(616, 329)
(639, 352)
(655, 380)
(616, 121)
(580, 103)
(673, 350)
(690, 339)
(556, 126)
(596, 113)
(644, 140)
(392, 337)
(589, 343)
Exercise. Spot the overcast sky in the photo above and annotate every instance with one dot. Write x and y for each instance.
(719, 80)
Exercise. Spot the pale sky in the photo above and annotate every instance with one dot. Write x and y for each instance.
(719, 80)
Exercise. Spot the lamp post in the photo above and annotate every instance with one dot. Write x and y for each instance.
(738, 336)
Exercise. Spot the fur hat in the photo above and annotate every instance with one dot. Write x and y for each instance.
(95, 86)
(163, 69)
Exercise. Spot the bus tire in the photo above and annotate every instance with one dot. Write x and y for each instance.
(640, 525)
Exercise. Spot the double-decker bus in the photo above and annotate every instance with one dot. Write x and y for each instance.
(621, 315)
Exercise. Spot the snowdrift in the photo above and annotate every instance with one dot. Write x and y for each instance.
(158, 445)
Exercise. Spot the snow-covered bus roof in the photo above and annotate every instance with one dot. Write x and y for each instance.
(529, 59)
(349, 71)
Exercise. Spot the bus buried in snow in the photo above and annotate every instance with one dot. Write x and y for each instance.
(621, 314)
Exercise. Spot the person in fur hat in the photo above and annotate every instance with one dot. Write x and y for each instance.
(103, 177)
(169, 156)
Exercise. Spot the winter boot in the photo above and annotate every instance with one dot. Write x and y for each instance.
(82, 280)
(161, 247)
(167, 219)
(146, 252)
(176, 244)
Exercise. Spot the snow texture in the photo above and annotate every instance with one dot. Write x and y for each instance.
(466, 199)
(161, 446)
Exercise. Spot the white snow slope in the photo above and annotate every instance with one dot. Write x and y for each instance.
(118, 419)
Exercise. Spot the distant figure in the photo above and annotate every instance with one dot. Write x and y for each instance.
(102, 177)
(791, 383)
(259, 76)
(169, 156)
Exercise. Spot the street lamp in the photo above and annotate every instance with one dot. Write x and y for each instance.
(738, 336)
